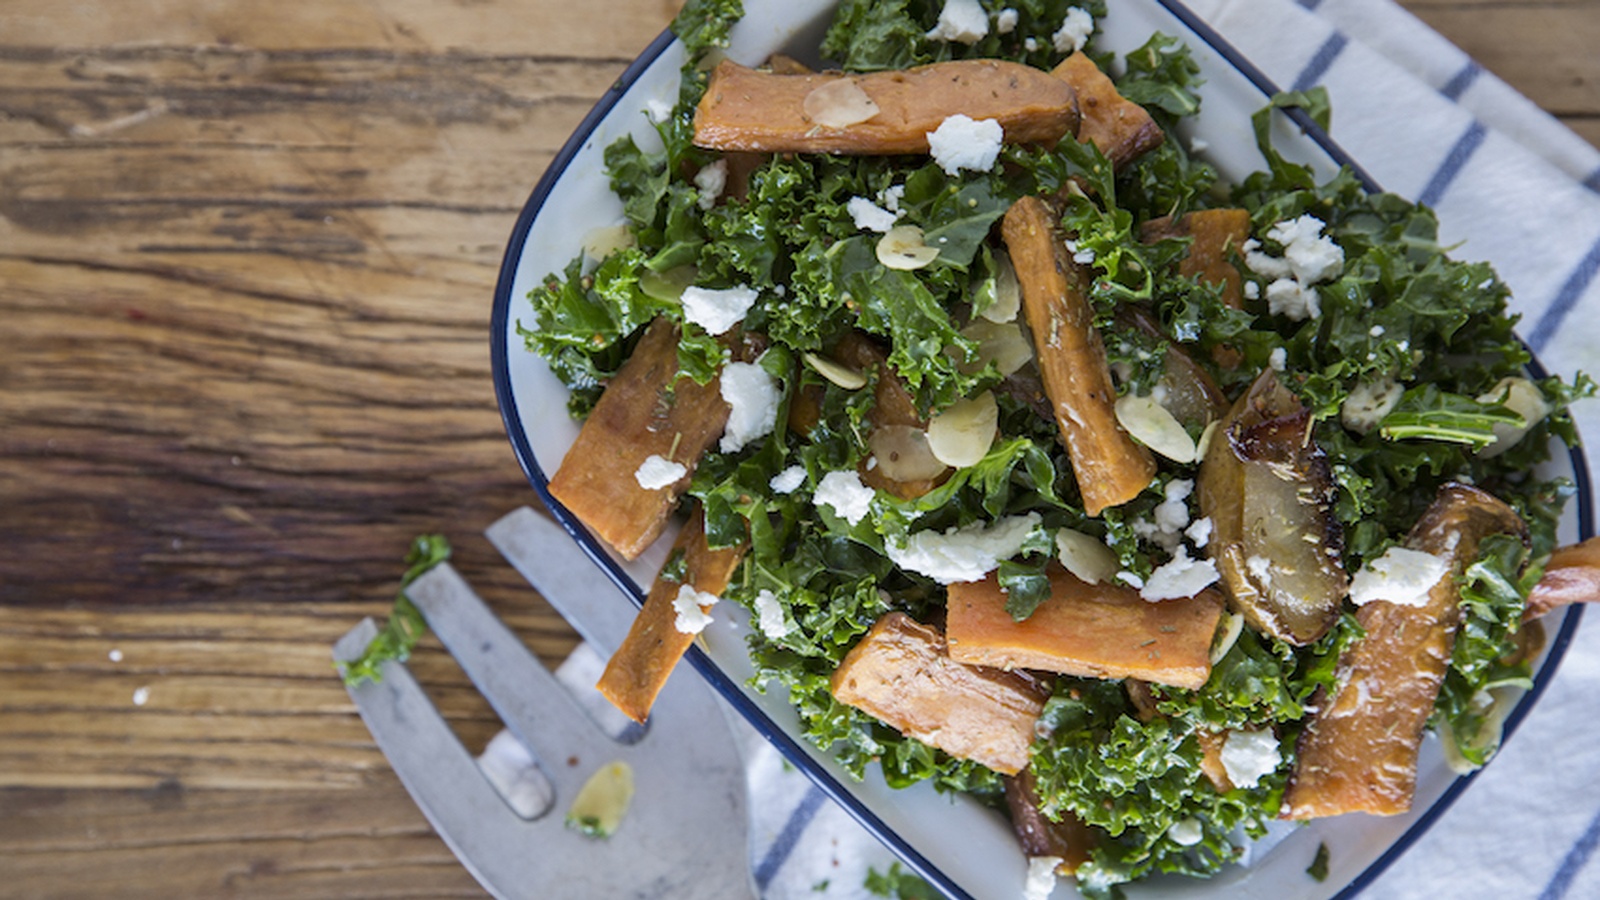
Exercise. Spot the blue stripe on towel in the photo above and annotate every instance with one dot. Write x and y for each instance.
(1593, 181)
(1461, 81)
(1310, 4)
(1573, 862)
(792, 829)
(1320, 61)
(1453, 163)
(1565, 299)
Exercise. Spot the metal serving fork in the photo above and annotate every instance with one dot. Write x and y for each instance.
(685, 833)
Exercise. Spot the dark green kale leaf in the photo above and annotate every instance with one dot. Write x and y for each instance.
(703, 25)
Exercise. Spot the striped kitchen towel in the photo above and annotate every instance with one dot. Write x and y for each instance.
(1511, 186)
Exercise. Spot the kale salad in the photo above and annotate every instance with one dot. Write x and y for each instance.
(1243, 429)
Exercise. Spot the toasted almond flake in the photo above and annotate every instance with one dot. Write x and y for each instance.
(601, 242)
(838, 373)
(962, 434)
(839, 104)
(1152, 425)
(904, 248)
(1004, 344)
(1232, 627)
(1086, 557)
(1007, 292)
(903, 453)
(667, 286)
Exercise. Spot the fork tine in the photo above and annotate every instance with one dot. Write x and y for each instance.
(531, 702)
(545, 555)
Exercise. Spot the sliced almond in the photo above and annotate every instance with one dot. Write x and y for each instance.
(838, 373)
(903, 454)
(1007, 291)
(962, 434)
(1232, 627)
(1522, 397)
(903, 248)
(603, 800)
(1004, 344)
(1151, 425)
(838, 104)
(1086, 556)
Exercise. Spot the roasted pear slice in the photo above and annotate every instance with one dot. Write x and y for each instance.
(1268, 490)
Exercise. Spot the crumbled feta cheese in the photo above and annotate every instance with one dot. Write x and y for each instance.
(657, 472)
(1288, 297)
(1199, 145)
(1248, 755)
(1311, 256)
(1031, 44)
(1172, 516)
(1178, 578)
(891, 196)
(1368, 402)
(141, 696)
(1376, 331)
(789, 480)
(1041, 881)
(1252, 290)
(1186, 832)
(1400, 576)
(710, 180)
(963, 554)
(1005, 21)
(657, 111)
(1200, 531)
(869, 216)
(963, 21)
(717, 310)
(1278, 359)
(1088, 559)
(1262, 263)
(1074, 31)
(1131, 579)
(769, 616)
(844, 492)
(752, 397)
(691, 606)
(115, 655)
(961, 142)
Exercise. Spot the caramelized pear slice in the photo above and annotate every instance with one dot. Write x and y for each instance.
(1268, 490)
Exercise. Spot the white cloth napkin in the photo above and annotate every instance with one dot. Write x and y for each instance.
(1511, 185)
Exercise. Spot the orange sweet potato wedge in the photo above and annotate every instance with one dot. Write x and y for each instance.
(1571, 576)
(646, 410)
(1119, 127)
(1111, 468)
(750, 109)
(1216, 234)
(1088, 630)
(636, 673)
(901, 673)
(1359, 752)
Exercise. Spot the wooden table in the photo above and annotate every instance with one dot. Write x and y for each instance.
(247, 253)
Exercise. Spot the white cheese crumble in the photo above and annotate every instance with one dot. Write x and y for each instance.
(1172, 516)
(891, 196)
(1248, 755)
(657, 111)
(115, 655)
(717, 309)
(691, 605)
(844, 492)
(752, 397)
(1074, 31)
(1252, 290)
(1031, 44)
(769, 615)
(961, 142)
(963, 21)
(1278, 359)
(1041, 877)
(710, 180)
(1200, 531)
(1005, 21)
(869, 216)
(1309, 257)
(1368, 402)
(1400, 576)
(1179, 577)
(657, 472)
(789, 480)
(967, 553)
(1291, 298)
(141, 696)
(1131, 579)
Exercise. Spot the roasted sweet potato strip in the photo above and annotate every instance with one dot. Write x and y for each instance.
(1088, 630)
(1359, 752)
(645, 411)
(1216, 235)
(748, 109)
(901, 673)
(636, 672)
(1571, 576)
(892, 405)
(1119, 127)
(1111, 468)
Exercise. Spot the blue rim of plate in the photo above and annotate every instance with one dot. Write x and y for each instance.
(730, 692)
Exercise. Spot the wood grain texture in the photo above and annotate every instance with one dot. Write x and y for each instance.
(247, 256)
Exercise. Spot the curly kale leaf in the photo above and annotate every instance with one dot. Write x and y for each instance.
(399, 635)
